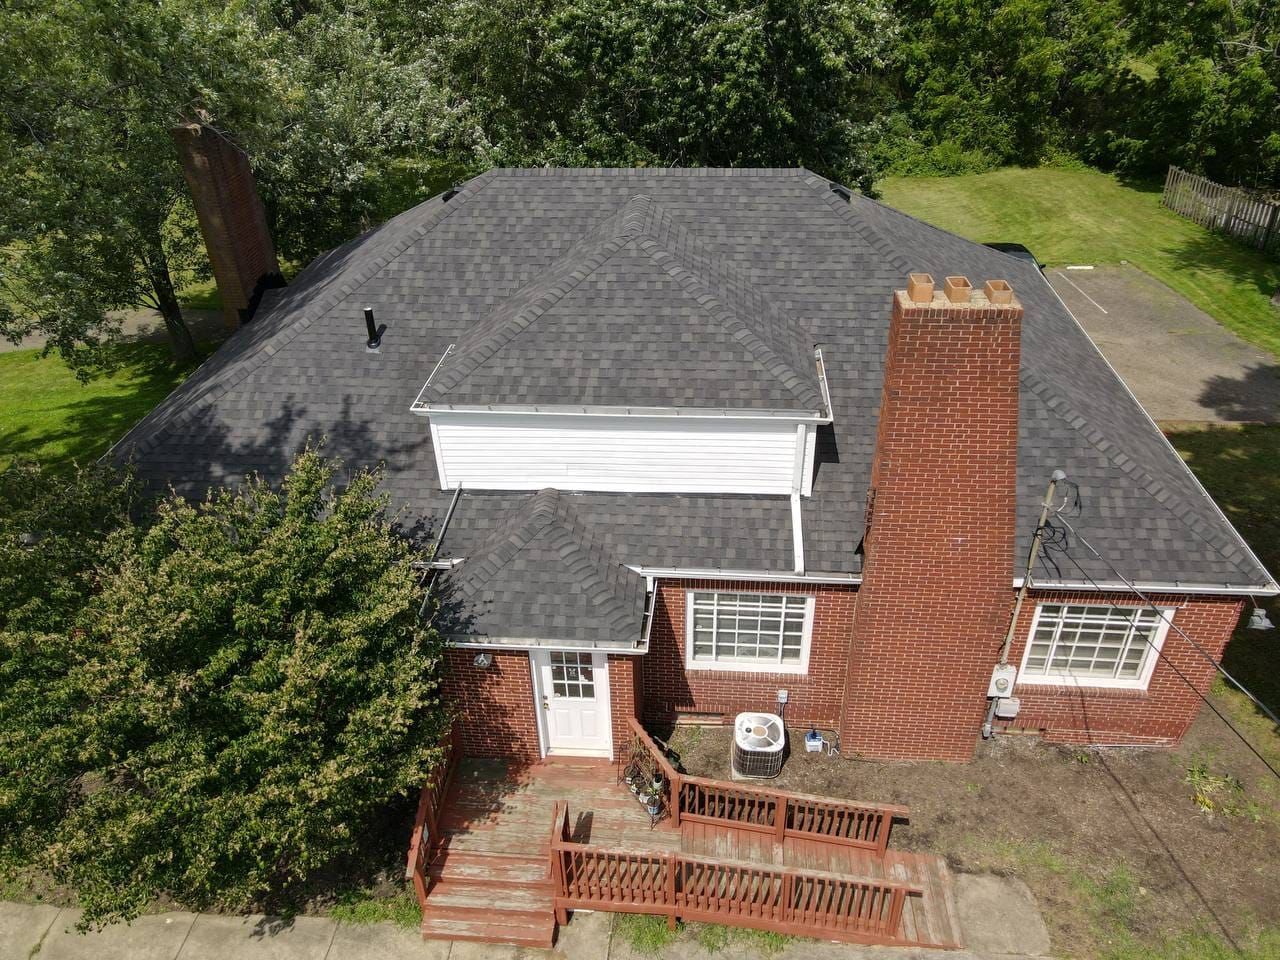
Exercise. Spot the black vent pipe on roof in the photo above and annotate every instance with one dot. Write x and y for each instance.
(375, 332)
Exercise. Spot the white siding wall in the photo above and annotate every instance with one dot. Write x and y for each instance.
(634, 454)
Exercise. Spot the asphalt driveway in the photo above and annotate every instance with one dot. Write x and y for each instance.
(1181, 364)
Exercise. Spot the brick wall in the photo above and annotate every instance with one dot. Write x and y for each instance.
(626, 699)
(1160, 714)
(232, 219)
(934, 601)
(495, 705)
(813, 698)
(498, 719)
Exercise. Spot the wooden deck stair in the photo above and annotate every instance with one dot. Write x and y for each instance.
(487, 876)
(489, 870)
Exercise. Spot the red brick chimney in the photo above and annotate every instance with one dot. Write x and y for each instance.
(938, 552)
(232, 219)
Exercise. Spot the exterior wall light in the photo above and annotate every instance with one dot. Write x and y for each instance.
(483, 660)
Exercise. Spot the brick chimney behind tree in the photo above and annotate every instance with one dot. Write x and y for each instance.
(937, 577)
(232, 219)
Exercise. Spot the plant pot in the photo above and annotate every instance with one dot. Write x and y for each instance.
(653, 807)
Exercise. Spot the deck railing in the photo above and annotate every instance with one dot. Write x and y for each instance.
(759, 809)
(426, 824)
(781, 899)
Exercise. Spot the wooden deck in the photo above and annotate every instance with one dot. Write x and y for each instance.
(490, 868)
(928, 920)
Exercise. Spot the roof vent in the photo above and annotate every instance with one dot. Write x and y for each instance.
(452, 192)
(842, 192)
(375, 332)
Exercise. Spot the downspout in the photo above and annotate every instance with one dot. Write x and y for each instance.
(797, 484)
(435, 550)
(1032, 554)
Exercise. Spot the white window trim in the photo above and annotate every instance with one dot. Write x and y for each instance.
(726, 666)
(1140, 682)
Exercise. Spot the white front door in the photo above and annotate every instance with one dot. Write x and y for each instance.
(572, 692)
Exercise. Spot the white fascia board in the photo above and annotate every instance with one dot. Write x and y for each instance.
(788, 576)
(684, 413)
(764, 576)
(1152, 586)
(543, 643)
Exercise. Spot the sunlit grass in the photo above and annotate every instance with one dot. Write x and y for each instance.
(46, 414)
(1080, 216)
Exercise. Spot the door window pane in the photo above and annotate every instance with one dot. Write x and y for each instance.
(572, 675)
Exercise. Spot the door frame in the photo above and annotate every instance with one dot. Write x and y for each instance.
(600, 666)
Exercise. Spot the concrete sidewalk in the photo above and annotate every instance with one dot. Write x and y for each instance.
(999, 918)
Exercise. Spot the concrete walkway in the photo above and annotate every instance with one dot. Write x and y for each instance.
(145, 326)
(999, 917)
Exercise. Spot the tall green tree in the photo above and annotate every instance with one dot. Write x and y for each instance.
(95, 217)
(241, 693)
(670, 82)
(1210, 97)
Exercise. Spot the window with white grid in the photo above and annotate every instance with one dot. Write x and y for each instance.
(761, 632)
(1094, 645)
(572, 676)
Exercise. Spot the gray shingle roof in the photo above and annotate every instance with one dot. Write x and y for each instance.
(637, 313)
(763, 265)
(542, 573)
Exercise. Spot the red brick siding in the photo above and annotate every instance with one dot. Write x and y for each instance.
(1160, 714)
(625, 697)
(498, 719)
(813, 698)
(934, 601)
(232, 218)
(495, 704)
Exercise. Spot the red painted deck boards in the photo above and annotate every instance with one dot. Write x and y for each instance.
(489, 868)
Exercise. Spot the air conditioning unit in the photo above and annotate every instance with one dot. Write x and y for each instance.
(758, 742)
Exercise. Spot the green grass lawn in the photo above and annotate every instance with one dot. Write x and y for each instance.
(1240, 467)
(1082, 216)
(46, 414)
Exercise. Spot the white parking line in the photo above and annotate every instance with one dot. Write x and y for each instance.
(1082, 293)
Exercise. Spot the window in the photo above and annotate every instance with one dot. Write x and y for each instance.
(763, 632)
(572, 676)
(1094, 646)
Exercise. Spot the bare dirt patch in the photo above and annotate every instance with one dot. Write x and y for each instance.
(1111, 841)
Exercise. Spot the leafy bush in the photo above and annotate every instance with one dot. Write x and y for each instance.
(228, 702)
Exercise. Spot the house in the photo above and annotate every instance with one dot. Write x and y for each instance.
(691, 442)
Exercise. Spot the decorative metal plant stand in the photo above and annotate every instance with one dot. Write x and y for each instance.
(640, 772)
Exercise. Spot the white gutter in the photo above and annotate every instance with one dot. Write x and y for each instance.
(562, 410)
(853, 579)
(544, 643)
(718, 573)
(1223, 589)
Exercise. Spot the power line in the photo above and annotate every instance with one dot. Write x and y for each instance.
(1160, 613)
(1173, 666)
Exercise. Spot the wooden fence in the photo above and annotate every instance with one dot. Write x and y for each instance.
(781, 899)
(1223, 209)
(426, 824)
(762, 810)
